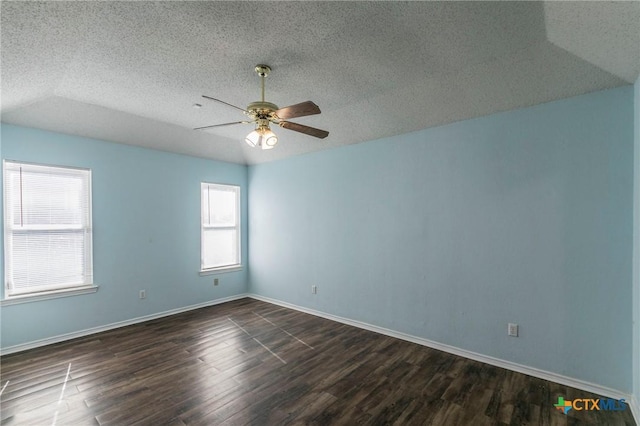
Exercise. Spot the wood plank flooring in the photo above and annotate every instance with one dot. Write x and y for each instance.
(250, 362)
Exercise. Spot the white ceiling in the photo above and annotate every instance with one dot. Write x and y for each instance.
(130, 72)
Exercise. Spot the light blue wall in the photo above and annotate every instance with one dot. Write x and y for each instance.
(452, 232)
(146, 218)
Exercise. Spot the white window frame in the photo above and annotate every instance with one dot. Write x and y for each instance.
(52, 290)
(237, 265)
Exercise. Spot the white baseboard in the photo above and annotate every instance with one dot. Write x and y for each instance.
(88, 331)
(531, 371)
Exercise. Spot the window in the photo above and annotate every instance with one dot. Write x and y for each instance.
(220, 222)
(47, 229)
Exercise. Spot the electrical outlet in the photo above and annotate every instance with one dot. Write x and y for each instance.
(512, 330)
(143, 294)
(314, 289)
(215, 281)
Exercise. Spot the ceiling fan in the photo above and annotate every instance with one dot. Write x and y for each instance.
(262, 113)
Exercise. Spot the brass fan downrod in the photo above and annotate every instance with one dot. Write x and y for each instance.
(263, 71)
(261, 109)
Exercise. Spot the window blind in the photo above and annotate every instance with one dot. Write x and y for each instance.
(220, 226)
(48, 234)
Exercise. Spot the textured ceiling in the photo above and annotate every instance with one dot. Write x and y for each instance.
(130, 72)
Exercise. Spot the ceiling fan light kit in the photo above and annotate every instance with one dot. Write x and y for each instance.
(262, 137)
(263, 113)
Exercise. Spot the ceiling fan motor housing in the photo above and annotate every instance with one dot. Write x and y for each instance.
(261, 110)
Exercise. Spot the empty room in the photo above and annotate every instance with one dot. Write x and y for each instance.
(322, 213)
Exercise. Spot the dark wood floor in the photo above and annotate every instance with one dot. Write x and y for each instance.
(250, 362)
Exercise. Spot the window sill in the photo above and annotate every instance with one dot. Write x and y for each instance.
(221, 270)
(54, 294)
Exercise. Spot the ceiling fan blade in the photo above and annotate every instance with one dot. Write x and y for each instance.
(223, 124)
(223, 102)
(312, 131)
(298, 110)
